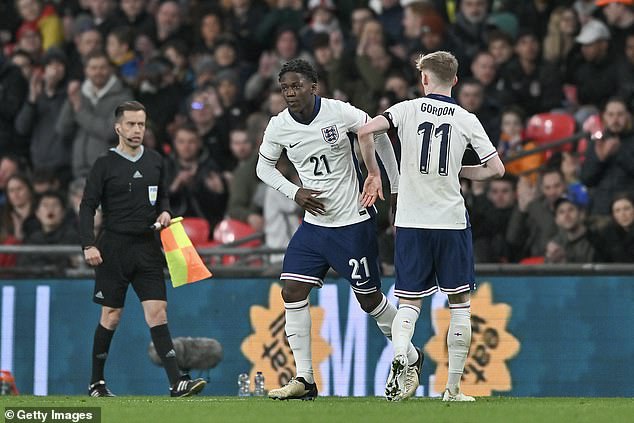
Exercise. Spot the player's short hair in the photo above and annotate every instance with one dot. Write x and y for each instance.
(127, 106)
(442, 64)
(299, 66)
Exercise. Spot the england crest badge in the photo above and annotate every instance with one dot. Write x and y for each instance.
(152, 192)
(330, 134)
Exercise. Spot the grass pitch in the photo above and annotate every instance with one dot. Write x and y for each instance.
(336, 409)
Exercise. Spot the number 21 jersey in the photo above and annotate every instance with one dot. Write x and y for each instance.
(322, 152)
(434, 132)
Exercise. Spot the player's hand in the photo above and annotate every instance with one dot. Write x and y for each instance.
(307, 199)
(92, 255)
(372, 189)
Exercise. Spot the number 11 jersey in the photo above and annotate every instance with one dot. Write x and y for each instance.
(322, 152)
(434, 132)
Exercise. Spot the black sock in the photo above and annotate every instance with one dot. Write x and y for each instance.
(165, 350)
(100, 347)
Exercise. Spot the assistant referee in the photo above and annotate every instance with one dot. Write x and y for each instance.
(128, 183)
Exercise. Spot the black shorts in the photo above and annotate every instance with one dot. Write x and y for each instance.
(135, 259)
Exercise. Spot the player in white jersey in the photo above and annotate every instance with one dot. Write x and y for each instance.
(433, 248)
(337, 231)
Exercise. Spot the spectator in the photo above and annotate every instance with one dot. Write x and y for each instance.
(205, 112)
(176, 52)
(9, 165)
(265, 79)
(286, 14)
(24, 60)
(469, 28)
(391, 18)
(500, 45)
(120, 49)
(13, 92)
(157, 83)
(245, 181)
(53, 229)
(102, 13)
(532, 222)
(321, 20)
(132, 13)
(484, 69)
(619, 15)
(470, 96)
(86, 40)
(17, 219)
(563, 26)
(573, 243)
(88, 112)
(228, 87)
(593, 72)
(616, 240)
(241, 147)
(210, 27)
(38, 116)
(528, 81)
(512, 142)
(609, 164)
(413, 24)
(490, 214)
(196, 185)
(244, 17)
(43, 19)
(169, 24)
(534, 14)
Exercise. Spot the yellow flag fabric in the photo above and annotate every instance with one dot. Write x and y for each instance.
(184, 263)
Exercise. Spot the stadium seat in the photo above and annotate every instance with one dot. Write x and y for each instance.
(230, 230)
(532, 260)
(197, 229)
(544, 128)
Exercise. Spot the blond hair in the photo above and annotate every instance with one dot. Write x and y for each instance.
(442, 64)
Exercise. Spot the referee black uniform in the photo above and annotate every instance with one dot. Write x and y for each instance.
(132, 193)
(129, 184)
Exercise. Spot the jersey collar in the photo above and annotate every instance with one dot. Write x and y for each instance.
(316, 109)
(127, 156)
(441, 97)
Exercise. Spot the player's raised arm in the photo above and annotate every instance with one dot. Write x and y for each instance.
(372, 188)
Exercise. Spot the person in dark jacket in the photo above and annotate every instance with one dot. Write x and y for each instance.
(13, 91)
(616, 240)
(609, 165)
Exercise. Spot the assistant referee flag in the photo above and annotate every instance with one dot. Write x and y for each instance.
(184, 263)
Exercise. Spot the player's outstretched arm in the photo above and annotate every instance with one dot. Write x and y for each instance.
(372, 188)
(491, 169)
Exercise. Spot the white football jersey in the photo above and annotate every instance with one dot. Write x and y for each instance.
(434, 132)
(322, 152)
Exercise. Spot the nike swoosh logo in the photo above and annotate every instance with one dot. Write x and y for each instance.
(293, 145)
(362, 283)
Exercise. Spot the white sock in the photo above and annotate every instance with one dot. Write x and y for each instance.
(458, 342)
(384, 315)
(403, 328)
(297, 330)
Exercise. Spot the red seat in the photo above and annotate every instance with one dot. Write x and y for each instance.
(544, 128)
(230, 230)
(532, 260)
(197, 229)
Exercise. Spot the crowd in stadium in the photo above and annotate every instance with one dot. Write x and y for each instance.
(207, 73)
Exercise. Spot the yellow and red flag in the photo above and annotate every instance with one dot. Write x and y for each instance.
(184, 263)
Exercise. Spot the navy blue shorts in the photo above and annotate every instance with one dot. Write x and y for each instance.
(430, 259)
(352, 251)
